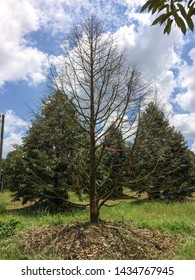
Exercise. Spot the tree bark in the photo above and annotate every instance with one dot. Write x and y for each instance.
(94, 201)
(94, 210)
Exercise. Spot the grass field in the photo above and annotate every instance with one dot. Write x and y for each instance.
(173, 219)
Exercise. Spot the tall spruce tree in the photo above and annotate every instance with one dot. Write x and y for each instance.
(161, 158)
(46, 157)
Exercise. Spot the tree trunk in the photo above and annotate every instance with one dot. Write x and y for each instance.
(94, 201)
(94, 210)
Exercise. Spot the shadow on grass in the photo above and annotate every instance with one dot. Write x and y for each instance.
(37, 209)
(145, 200)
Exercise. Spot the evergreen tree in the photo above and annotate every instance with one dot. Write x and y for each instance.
(16, 174)
(162, 158)
(46, 157)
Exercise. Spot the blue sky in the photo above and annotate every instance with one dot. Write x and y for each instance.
(32, 30)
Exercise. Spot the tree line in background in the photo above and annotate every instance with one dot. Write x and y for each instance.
(93, 136)
(48, 165)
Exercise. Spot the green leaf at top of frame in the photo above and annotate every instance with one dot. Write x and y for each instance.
(160, 19)
(190, 24)
(191, 11)
(168, 26)
(182, 11)
(180, 23)
(145, 6)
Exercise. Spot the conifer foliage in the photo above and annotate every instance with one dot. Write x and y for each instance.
(162, 158)
(40, 169)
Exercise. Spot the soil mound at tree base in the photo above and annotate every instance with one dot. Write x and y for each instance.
(104, 240)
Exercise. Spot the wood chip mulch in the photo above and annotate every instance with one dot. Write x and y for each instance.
(104, 240)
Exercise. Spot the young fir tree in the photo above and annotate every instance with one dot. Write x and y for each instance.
(46, 158)
(161, 158)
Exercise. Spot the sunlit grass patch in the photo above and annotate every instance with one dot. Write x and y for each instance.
(187, 251)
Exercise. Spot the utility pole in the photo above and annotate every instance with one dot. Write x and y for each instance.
(2, 118)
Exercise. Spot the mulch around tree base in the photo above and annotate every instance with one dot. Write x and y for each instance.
(104, 240)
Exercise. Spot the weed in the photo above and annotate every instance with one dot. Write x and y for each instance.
(11, 249)
(2, 208)
(187, 251)
(8, 228)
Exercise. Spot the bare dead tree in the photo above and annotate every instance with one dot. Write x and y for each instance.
(105, 92)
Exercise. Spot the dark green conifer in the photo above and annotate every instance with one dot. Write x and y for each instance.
(162, 158)
(41, 168)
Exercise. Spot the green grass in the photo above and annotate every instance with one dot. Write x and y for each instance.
(171, 218)
(32, 219)
(176, 218)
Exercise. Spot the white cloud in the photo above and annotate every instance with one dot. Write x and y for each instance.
(147, 46)
(62, 14)
(19, 60)
(186, 99)
(10, 140)
(155, 54)
(186, 124)
(12, 122)
(134, 3)
(193, 147)
(14, 129)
